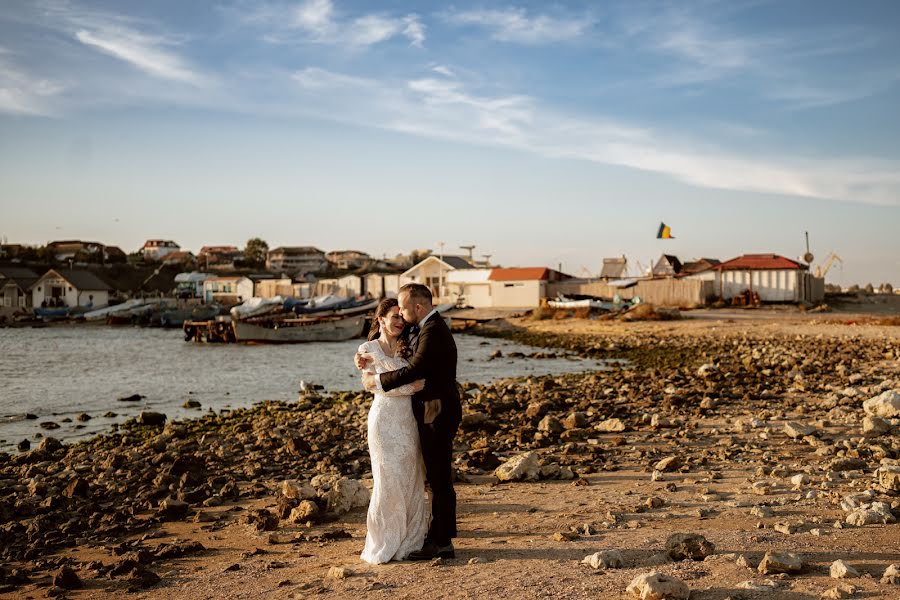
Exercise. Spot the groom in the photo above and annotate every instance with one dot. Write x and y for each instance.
(437, 409)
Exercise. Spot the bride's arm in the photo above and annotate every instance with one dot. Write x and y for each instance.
(406, 390)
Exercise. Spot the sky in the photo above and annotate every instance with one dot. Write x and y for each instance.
(545, 133)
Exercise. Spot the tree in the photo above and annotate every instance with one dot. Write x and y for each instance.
(255, 252)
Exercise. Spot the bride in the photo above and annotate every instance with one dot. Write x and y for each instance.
(398, 516)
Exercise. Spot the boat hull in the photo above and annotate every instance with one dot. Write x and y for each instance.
(330, 330)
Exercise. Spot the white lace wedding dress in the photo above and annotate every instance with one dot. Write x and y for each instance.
(398, 511)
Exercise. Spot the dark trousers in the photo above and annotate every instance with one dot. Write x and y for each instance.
(437, 452)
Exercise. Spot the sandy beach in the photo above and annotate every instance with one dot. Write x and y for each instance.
(745, 427)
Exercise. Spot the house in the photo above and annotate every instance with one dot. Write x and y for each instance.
(154, 250)
(470, 287)
(522, 287)
(87, 252)
(775, 278)
(381, 285)
(613, 268)
(114, 254)
(181, 258)
(15, 286)
(303, 259)
(432, 273)
(667, 266)
(218, 257)
(346, 260)
(702, 267)
(190, 285)
(349, 286)
(227, 290)
(269, 286)
(69, 287)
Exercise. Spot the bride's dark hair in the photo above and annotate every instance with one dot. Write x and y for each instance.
(384, 307)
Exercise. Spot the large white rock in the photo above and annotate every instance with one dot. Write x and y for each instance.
(869, 514)
(796, 430)
(605, 559)
(522, 467)
(875, 426)
(889, 477)
(611, 425)
(297, 490)
(886, 404)
(346, 495)
(841, 570)
(891, 575)
(780, 562)
(658, 586)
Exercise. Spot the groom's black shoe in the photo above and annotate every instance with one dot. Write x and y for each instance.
(431, 550)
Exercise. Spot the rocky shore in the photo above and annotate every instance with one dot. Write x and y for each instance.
(798, 433)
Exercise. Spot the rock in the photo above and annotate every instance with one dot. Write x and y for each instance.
(177, 550)
(761, 488)
(891, 575)
(49, 425)
(576, 420)
(605, 559)
(796, 430)
(764, 586)
(841, 570)
(76, 487)
(151, 419)
(889, 477)
(654, 502)
(50, 444)
(564, 536)
(763, 512)
(706, 370)
(522, 467)
(869, 514)
(172, 509)
(83, 417)
(23, 446)
(296, 490)
(191, 404)
(658, 586)
(67, 579)
(346, 495)
(780, 562)
(841, 591)
(693, 546)
(840, 465)
(307, 510)
(875, 426)
(669, 463)
(338, 573)
(611, 425)
(536, 409)
(550, 424)
(800, 479)
(885, 405)
(260, 520)
(142, 578)
(131, 398)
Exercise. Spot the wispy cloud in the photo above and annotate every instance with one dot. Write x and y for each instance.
(23, 93)
(518, 26)
(321, 22)
(449, 110)
(147, 53)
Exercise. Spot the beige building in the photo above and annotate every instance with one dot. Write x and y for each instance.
(276, 286)
(296, 259)
(154, 250)
(227, 290)
(432, 272)
(15, 287)
(346, 260)
(775, 278)
(382, 285)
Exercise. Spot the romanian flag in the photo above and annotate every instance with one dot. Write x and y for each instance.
(664, 232)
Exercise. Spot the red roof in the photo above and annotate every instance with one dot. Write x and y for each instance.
(758, 262)
(520, 274)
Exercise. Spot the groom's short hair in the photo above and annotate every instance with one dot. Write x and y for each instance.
(418, 292)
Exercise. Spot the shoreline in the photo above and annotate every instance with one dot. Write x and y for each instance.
(88, 498)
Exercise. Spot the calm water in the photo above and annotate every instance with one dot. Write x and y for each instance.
(60, 372)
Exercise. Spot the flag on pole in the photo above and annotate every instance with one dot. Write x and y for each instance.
(664, 232)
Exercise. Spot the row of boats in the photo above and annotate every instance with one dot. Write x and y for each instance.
(159, 312)
(286, 320)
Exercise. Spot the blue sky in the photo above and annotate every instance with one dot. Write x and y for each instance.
(544, 133)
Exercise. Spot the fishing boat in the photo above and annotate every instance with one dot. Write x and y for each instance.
(291, 331)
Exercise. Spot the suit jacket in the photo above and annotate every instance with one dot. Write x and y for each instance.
(434, 360)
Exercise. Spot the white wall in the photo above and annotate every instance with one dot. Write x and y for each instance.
(517, 294)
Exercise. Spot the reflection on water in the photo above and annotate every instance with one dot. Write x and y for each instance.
(57, 373)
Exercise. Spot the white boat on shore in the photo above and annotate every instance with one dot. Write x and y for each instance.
(123, 308)
(292, 331)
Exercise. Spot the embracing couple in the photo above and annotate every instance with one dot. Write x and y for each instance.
(409, 363)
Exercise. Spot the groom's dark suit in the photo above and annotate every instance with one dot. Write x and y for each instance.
(434, 360)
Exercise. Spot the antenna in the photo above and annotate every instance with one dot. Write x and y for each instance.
(469, 248)
(808, 257)
(487, 259)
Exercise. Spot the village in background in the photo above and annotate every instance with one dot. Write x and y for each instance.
(74, 273)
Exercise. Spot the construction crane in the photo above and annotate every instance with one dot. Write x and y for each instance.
(822, 271)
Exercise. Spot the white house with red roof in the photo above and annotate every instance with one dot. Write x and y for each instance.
(775, 278)
(515, 287)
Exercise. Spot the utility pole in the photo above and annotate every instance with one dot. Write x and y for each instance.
(441, 271)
